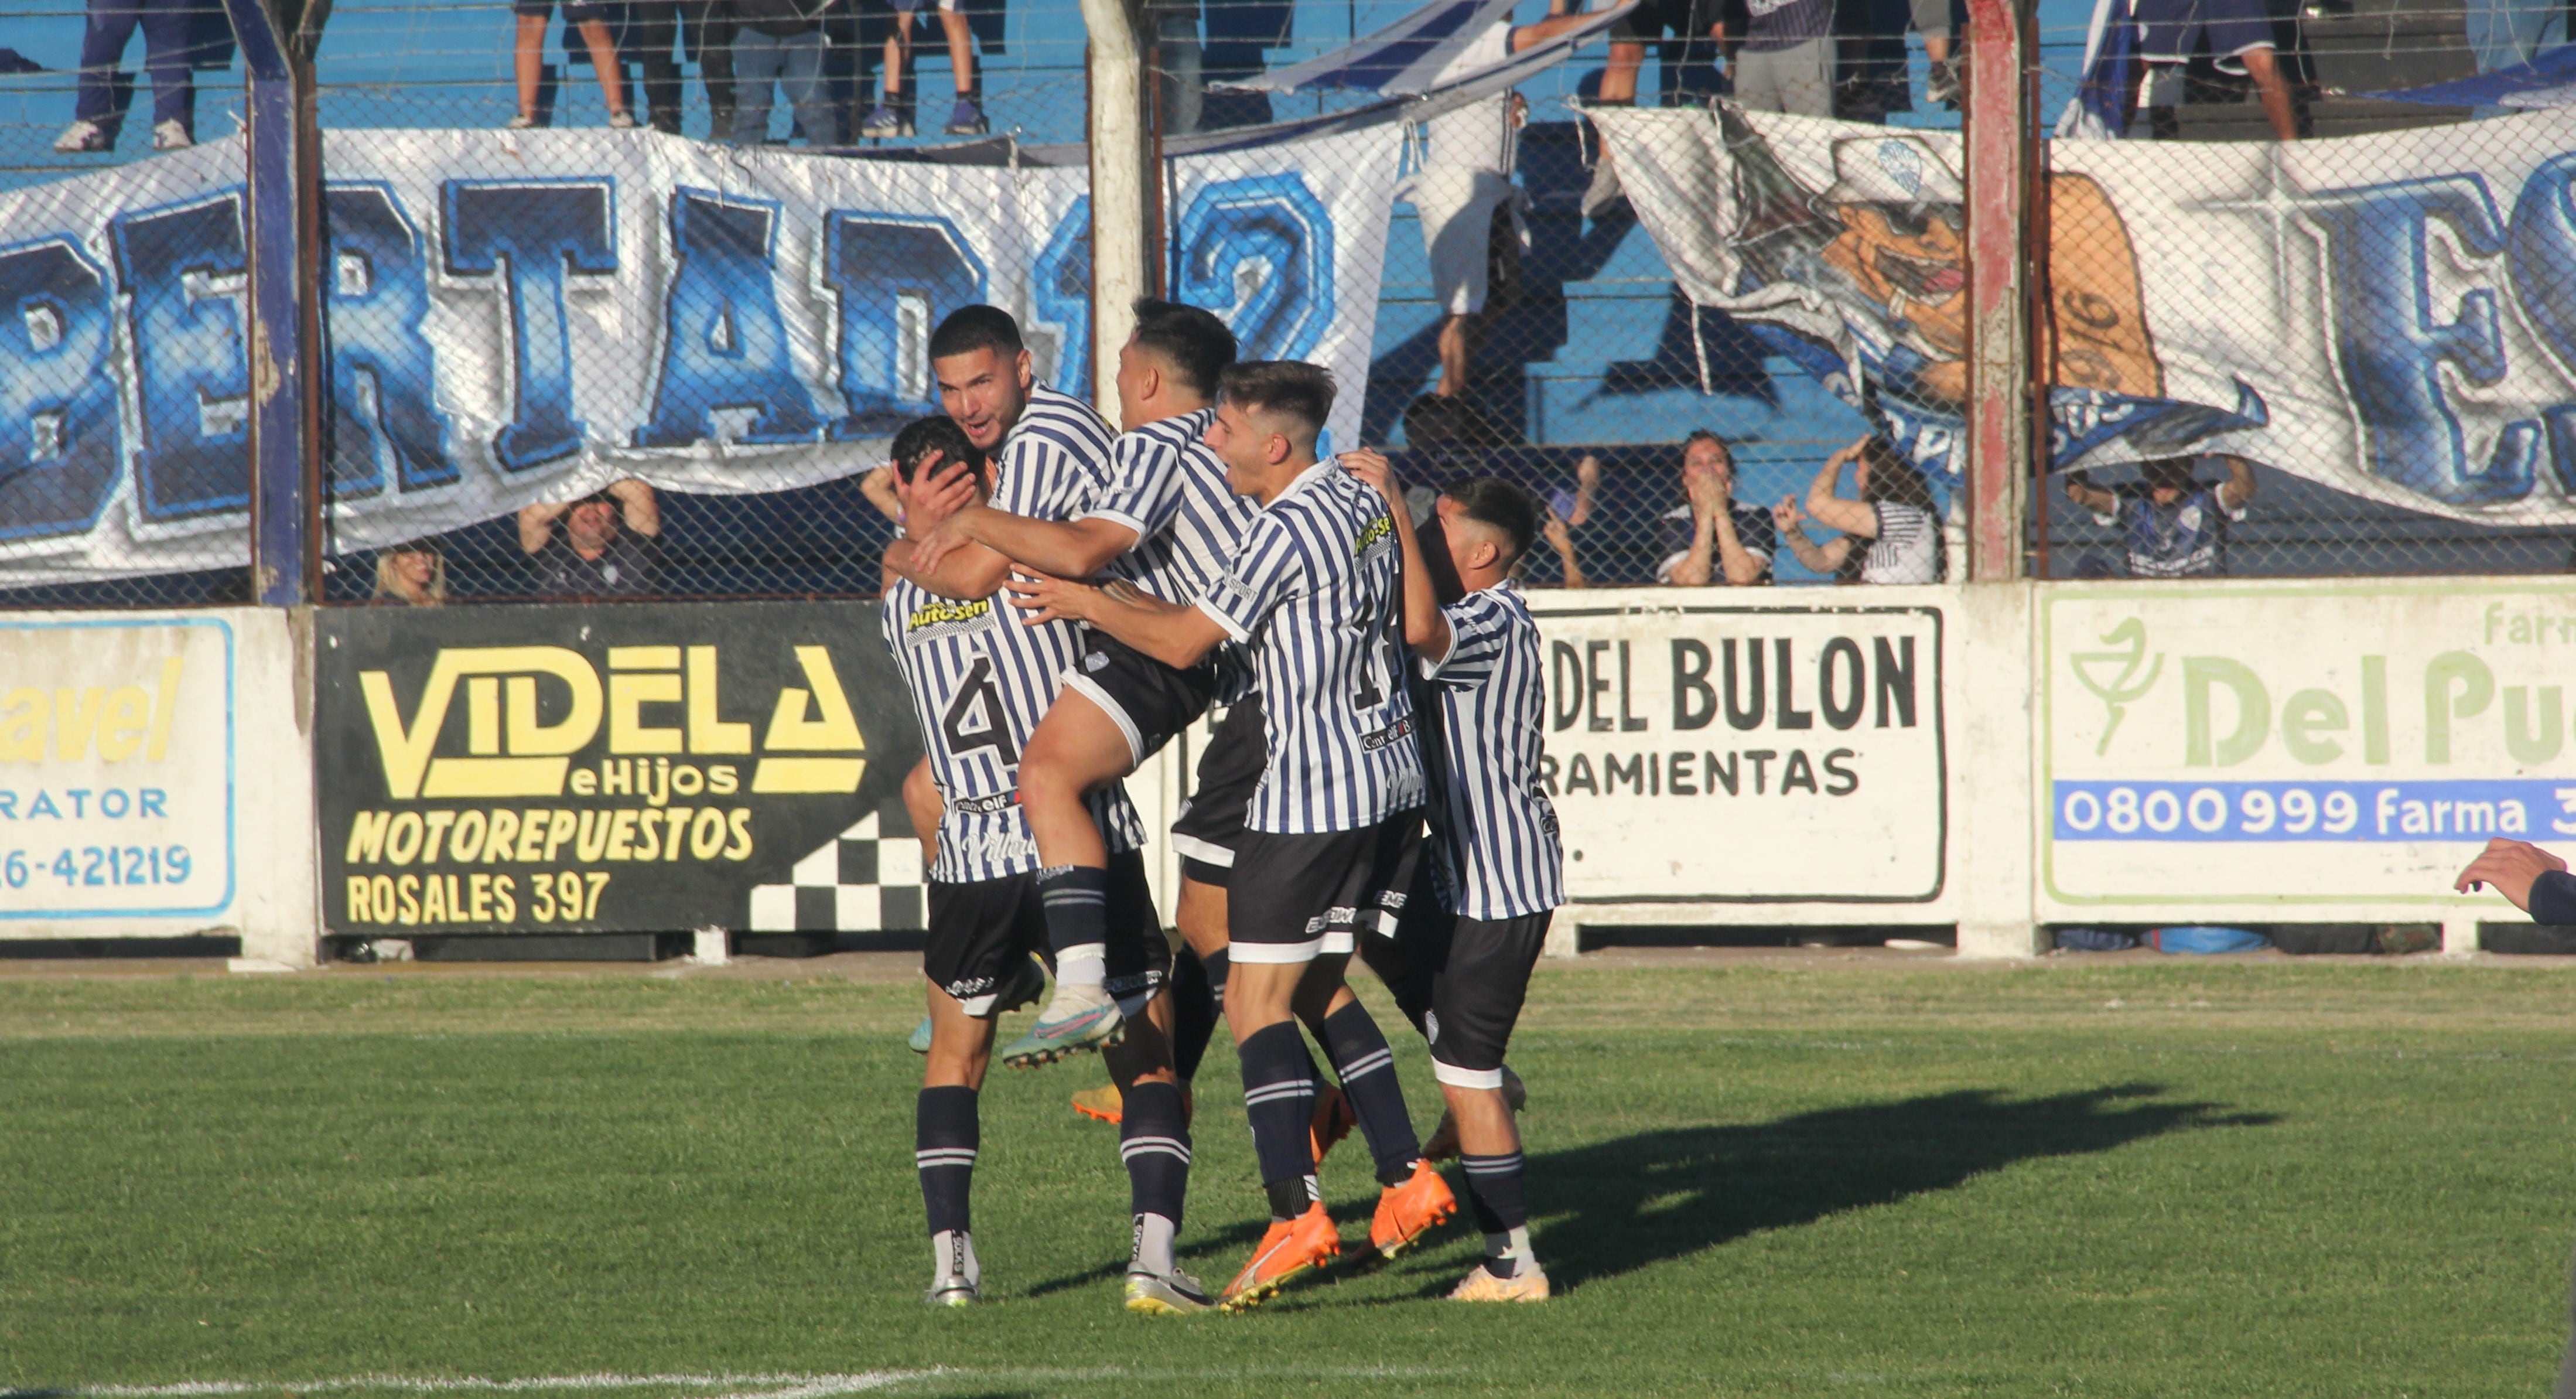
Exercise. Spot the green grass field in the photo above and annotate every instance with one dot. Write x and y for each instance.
(2134, 1179)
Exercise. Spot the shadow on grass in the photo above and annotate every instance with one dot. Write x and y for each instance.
(1642, 1199)
(1618, 1205)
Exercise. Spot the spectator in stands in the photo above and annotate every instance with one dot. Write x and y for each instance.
(169, 50)
(1710, 539)
(1894, 515)
(411, 575)
(782, 42)
(1940, 79)
(591, 18)
(1785, 59)
(1560, 537)
(1470, 215)
(703, 29)
(2239, 34)
(610, 544)
(1178, 58)
(2503, 33)
(891, 116)
(2173, 526)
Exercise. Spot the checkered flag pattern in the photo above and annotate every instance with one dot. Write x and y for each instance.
(867, 879)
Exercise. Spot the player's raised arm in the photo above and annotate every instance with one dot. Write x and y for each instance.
(1064, 548)
(935, 492)
(1425, 629)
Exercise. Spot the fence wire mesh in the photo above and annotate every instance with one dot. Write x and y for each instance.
(1527, 318)
(103, 502)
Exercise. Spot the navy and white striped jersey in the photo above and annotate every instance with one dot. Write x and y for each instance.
(1053, 465)
(1490, 819)
(1169, 488)
(975, 723)
(1313, 593)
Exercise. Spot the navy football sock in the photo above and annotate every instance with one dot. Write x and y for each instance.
(1367, 1069)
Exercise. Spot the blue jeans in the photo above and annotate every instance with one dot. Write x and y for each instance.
(2502, 33)
(796, 64)
(166, 26)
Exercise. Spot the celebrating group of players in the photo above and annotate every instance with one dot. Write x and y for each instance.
(1061, 605)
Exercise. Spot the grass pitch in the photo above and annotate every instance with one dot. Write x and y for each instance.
(1838, 1176)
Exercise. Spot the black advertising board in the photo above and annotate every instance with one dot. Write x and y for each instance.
(632, 768)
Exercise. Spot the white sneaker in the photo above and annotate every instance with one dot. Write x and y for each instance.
(622, 121)
(82, 138)
(954, 1290)
(171, 136)
(523, 122)
(1165, 1294)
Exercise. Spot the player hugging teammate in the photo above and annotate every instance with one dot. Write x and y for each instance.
(1207, 558)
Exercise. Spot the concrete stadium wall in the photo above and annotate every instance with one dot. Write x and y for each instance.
(156, 778)
(1996, 758)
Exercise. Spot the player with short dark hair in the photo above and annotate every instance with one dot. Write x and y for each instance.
(1313, 593)
(1477, 917)
(1164, 524)
(985, 917)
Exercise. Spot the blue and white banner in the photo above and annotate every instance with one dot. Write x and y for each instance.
(2393, 316)
(524, 316)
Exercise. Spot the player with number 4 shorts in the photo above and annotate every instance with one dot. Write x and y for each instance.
(977, 700)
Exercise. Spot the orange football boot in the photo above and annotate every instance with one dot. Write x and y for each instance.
(1407, 1211)
(1291, 1249)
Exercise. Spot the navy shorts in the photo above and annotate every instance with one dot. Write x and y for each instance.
(574, 11)
(979, 931)
(1210, 827)
(2170, 30)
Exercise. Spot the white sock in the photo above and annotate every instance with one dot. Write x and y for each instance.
(1508, 1255)
(952, 1252)
(1153, 1246)
(1087, 965)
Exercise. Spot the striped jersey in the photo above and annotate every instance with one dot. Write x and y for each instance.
(1052, 465)
(1169, 488)
(975, 722)
(1313, 594)
(1491, 821)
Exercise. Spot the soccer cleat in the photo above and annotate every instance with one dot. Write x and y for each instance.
(171, 136)
(1105, 1103)
(1165, 1294)
(1444, 1138)
(83, 138)
(1333, 1120)
(954, 1290)
(1289, 1250)
(1080, 1018)
(967, 119)
(1407, 1211)
(921, 1036)
(1022, 987)
(884, 123)
(1482, 1286)
(622, 121)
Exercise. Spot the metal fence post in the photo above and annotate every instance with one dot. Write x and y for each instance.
(1121, 166)
(1999, 417)
(284, 179)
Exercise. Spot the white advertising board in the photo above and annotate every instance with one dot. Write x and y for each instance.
(2341, 746)
(117, 754)
(1715, 746)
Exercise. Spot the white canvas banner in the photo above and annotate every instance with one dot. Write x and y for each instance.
(2393, 316)
(524, 316)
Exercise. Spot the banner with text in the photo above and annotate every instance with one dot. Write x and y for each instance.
(641, 768)
(1726, 753)
(524, 316)
(2325, 744)
(117, 751)
(2392, 315)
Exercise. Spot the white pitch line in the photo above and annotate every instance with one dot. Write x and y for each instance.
(756, 1386)
(752, 1386)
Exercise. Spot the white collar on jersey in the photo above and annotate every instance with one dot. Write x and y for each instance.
(1304, 479)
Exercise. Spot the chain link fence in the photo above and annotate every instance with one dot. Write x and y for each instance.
(592, 327)
(106, 503)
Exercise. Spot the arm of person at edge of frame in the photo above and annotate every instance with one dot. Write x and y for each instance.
(968, 572)
(1835, 511)
(2530, 878)
(1560, 536)
(638, 508)
(1179, 636)
(1060, 548)
(2238, 489)
(1426, 627)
